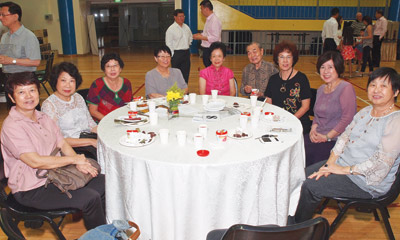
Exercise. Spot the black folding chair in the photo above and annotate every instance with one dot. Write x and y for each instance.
(44, 75)
(368, 206)
(313, 229)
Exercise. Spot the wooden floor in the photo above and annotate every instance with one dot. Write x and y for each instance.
(354, 226)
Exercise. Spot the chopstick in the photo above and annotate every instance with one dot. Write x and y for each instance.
(265, 100)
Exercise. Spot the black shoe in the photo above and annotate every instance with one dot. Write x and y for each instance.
(34, 224)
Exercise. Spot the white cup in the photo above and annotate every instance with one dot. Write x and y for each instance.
(133, 106)
(243, 121)
(254, 120)
(257, 111)
(205, 99)
(153, 118)
(192, 97)
(253, 101)
(198, 141)
(203, 129)
(181, 137)
(164, 134)
(152, 106)
(214, 94)
(185, 97)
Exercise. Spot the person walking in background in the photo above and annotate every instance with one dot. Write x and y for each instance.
(179, 38)
(211, 32)
(380, 29)
(346, 47)
(329, 32)
(367, 44)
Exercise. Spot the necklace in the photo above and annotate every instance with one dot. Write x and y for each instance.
(386, 111)
(283, 88)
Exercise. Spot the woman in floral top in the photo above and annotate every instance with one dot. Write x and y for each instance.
(111, 91)
(216, 76)
(289, 89)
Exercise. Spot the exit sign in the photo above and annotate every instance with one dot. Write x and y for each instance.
(118, 1)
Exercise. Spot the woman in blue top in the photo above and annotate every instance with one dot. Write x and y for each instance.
(366, 157)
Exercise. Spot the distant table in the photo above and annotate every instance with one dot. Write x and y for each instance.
(173, 194)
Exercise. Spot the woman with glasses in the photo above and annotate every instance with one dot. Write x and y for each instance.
(111, 91)
(162, 77)
(289, 89)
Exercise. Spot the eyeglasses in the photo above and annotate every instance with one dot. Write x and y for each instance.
(5, 15)
(164, 57)
(112, 66)
(285, 57)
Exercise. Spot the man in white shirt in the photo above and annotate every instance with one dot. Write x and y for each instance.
(179, 38)
(211, 32)
(380, 29)
(329, 32)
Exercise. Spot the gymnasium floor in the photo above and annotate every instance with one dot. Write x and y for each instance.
(138, 61)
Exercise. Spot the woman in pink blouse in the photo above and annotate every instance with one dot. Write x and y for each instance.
(216, 76)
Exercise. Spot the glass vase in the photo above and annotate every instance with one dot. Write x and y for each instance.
(173, 108)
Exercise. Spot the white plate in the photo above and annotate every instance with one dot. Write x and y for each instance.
(234, 131)
(138, 141)
(214, 106)
(134, 122)
(217, 100)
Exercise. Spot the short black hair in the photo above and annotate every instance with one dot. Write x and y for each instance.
(387, 73)
(163, 48)
(67, 67)
(20, 79)
(380, 11)
(334, 11)
(368, 19)
(111, 56)
(337, 59)
(177, 11)
(207, 4)
(218, 45)
(13, 8)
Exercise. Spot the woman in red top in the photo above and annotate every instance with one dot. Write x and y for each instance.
(110, 92)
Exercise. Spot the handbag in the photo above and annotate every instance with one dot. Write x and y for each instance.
(67, 177)
(88, 135)
(118, 230)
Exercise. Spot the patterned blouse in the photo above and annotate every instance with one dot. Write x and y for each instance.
(217, 79)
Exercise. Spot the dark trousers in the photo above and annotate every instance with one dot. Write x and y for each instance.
(90, 199)
(376, 51)
(330, 45)
(317, 152)
(181, 60)
(313, 191)
(367, 58)
(206, 57)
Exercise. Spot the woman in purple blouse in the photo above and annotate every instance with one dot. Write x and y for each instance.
(334, 108)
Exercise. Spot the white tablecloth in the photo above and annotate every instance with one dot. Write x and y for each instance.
(173, 194)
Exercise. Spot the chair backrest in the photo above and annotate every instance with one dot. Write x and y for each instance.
(312, 101)
(83, 92)
(314, 229)
(236, 87)
(49, 66)
(393, 192)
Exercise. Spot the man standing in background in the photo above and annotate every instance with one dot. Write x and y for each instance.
(380, 29)
(179, 38)
(357, 25)
(211, 32)
(329, 31)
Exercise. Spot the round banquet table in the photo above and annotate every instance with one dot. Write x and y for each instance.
(174, 194)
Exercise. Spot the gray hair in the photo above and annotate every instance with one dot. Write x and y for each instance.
(256, 43)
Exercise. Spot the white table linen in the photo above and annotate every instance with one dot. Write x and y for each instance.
(174, 194)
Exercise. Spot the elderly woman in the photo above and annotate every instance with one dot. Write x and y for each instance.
(28, 137)
(289, 89)
(366, 156)
(216, 76)
(162, 77)
(68, 109)
(334, 108)
(111, 91)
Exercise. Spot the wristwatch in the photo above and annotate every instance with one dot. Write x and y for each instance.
(351, 170)
(327, 138)
(14, 61)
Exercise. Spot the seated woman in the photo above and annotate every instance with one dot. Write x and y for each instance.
(28, 137)
(289, 89)
(162, 77)
(366, 156)
(216, 76)
(334, 108)
(68, 109)
(111, 91)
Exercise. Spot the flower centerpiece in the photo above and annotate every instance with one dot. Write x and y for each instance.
(174, 95)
